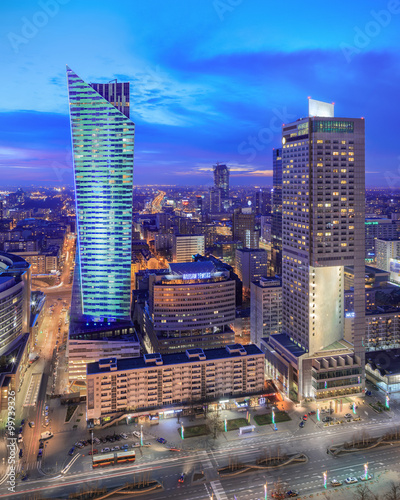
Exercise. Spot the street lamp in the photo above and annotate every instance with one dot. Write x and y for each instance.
(226, 426)
(182, 432)
(325, 479)
(387, 401)
(141, 434)
(366, 471)
(318, 415)
(266, 491)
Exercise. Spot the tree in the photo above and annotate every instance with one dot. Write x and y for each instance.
(215, 423)
(363, 493)
(394, 492)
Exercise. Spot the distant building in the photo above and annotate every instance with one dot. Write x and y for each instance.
(185, 246)
(243, 228)
(221, 180)
(251, 264)
(385, 250)
(265, 308)
(377, 228)
(215, 200)
(159, 381)
(189, 305)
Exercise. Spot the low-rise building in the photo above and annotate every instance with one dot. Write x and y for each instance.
(155, 380)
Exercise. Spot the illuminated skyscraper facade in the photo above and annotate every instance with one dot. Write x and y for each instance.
(276, 230)
(103, 141)
(221, 181)
(323, 204)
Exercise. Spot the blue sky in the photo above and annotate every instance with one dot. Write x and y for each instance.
(211, 80)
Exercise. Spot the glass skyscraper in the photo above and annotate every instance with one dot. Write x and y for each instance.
(103, 141)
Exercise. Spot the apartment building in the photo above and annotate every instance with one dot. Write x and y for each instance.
(155, 380)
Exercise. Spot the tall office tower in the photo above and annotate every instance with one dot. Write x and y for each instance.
(215, 200)
(276, 232)
(323, 230)
(102, 140)
(243, 228)
(221, 179)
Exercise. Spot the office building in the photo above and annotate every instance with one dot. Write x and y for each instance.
(243, 228)
(323, 230)
(189, 305)
(251, 265)
(261, 197)
(378, 228)
(385, 250)
(157, 381)
(102, 141)
(265, 308)
(276, 229)
(185, 246)
(15, 291)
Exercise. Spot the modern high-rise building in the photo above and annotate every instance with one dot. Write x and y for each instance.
(215, 200)
(221, 179)
(323, 230)
(102, 141)
(276, 231)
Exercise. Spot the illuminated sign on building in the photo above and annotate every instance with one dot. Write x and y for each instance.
(196, 276)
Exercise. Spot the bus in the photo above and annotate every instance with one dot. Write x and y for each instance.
(125, 456)
(103, 460)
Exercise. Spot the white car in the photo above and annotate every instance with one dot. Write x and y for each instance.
(351, 480)
(105, 450)
(115, 448)
(124, 436)
(366, 478)
(136, 433)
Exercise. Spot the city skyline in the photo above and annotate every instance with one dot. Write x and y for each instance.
(198, 99)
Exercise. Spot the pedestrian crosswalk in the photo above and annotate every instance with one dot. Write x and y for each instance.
(205, 460)
(218, 490)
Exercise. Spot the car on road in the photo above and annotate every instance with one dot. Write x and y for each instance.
(366, 478)
(311, 412)
(79, 444)
(23, 421)
(304, 417)
(20, 429)
(71, 451)
(327, 419)
(174, 449)
(182, 478)
(105, 450)
(136, 433)
(115, 448)
(302, 424)
(348, 415)
(351, 480)
(278, 495)
(41, 445)
(161, 440)
(94, 452)
(368, 393)
(24, 478)
(31, 424)
(116, 437)
(335, 482)
(292, 493)
(123, 435)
